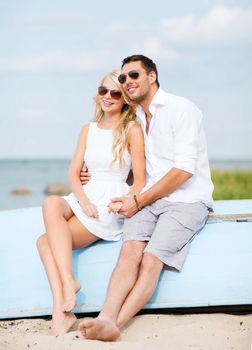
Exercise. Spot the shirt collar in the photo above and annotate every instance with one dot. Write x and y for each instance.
(158, 99)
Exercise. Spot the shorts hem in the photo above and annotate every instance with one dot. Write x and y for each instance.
(168, 262)
(131, 238)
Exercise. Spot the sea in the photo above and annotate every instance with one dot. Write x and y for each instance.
(35, 175)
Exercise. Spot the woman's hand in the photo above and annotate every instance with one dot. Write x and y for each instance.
(128, 205)
(90, 210)
(114, 207)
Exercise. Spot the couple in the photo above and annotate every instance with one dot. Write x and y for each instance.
(162, 213)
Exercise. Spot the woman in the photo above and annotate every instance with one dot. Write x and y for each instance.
(110, 146)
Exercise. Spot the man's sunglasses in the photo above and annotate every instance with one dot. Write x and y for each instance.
(133, 74)
(115, 94)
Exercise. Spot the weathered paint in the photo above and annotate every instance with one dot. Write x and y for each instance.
(217, 270)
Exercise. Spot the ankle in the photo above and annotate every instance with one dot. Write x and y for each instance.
(68, 279)
(106, 317)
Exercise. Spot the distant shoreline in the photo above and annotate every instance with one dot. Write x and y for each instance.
(221, 164)
(23, 181)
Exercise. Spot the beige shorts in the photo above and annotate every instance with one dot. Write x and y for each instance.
(168, 228)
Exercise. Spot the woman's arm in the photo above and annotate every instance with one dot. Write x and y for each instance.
(74, 174)
(136, 149)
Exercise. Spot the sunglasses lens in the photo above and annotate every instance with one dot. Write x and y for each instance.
(102, 90)
(122, 78)
(133, 74)
(116, 94)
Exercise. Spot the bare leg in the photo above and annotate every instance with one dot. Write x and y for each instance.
(123, 279)
(61, 321)
(105, 327)
(145, 286)
(56, 213)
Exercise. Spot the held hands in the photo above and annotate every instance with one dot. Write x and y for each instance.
(128, 205)
(114, 207)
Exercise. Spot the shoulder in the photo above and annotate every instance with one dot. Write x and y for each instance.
(84, 130)
(86, 127)
(135, 130)
(135, 135)
(182, 107)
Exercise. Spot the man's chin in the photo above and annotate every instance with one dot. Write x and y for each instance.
(136, 99)
(132, 97)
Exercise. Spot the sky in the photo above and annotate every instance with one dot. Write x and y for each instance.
(53, 54)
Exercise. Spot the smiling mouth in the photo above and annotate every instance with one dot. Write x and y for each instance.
(107, 103)
(131, 89)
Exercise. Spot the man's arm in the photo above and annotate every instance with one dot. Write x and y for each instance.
(166, 185)
(84, 175)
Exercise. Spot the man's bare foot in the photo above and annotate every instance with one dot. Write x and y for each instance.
(62, 322)
(70, 289)
(99, 329)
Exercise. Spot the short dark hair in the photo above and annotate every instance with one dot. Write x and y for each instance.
(146, 62)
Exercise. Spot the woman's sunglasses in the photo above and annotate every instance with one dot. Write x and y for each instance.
(133, 74)
(115, 94)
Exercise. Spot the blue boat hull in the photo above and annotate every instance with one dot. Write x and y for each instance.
(217, 270)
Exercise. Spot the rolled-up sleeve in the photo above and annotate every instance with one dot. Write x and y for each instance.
(186, 138)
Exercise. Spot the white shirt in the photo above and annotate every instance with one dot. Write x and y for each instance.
(176, 139)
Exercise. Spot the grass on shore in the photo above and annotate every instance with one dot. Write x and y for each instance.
(235, 184)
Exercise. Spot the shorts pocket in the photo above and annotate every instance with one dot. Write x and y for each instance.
(190, 225)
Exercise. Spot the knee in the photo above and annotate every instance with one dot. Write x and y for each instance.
(150, 264)
(51, 204)
(42, 243)
(131, 253)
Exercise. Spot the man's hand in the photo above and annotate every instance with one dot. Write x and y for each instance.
(128, 207)
(84, 175)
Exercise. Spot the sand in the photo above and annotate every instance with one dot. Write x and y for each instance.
(177, 332)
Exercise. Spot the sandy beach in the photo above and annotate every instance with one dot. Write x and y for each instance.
(216, 331)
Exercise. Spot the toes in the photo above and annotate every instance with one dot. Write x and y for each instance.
(86, 328)
(83, 332)
(86, 323)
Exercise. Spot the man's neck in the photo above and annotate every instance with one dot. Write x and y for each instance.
(145, 104)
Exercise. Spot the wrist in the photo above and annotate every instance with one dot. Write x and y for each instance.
(137, 202)
(84, 203)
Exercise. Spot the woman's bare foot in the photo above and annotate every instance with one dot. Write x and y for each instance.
(62, 322)
(70, 289)
(99, 329)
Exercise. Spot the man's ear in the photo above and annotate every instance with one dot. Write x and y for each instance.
(152, 77)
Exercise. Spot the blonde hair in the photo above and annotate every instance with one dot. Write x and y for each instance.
(128, 115)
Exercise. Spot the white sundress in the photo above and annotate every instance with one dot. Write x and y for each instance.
(107, 181)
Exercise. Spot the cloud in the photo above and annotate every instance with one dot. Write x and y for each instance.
(153, 47)
(221, 26)
(140, 38)
(163, 40)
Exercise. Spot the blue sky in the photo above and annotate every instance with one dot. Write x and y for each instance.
(53, 54)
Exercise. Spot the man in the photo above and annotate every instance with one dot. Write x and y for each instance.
(161, 221)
